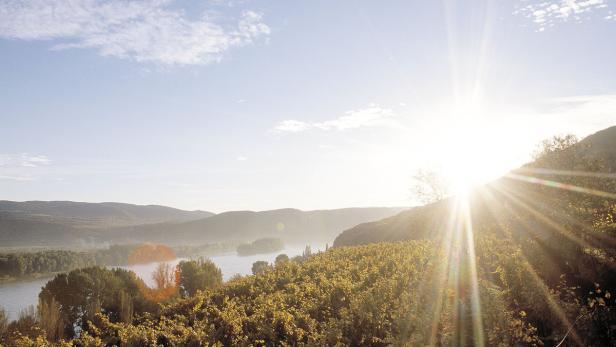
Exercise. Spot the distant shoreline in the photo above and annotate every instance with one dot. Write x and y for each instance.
(29, 277)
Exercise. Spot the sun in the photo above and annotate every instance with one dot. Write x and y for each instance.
(468, 155)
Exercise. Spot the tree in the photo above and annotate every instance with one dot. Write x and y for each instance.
(4, 322)
(126, 307)
(50, 318)
(281, 259)
(430, 187)
(166, 280)
(259, 267)
(147, 253)
(307, 252)
(83, 293)
(164, 276)
(555, 144)
(565, 152)
(26, 324)
(198, 275)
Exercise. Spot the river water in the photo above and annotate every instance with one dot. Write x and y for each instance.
(16, 296)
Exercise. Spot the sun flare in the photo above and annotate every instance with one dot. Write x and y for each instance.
(466, 154)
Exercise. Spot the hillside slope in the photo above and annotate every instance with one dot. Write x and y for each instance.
(69, 223)
(100, 214)
(595, 153)
(292, 225)
(82, 224)
(18, 231)
(602, 145)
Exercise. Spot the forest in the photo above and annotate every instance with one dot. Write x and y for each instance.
(17, 264)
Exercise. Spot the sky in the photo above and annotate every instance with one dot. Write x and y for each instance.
(256, 105)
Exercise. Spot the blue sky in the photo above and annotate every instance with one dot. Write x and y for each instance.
(226, 105)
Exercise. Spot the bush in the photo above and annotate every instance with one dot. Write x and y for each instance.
(259, 266)
(281, 259)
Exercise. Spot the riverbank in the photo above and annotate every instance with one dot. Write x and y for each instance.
(29, 277)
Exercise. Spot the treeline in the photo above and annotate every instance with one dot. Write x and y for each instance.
(20, 264)
(72, 302)
(260, 266)
(207, 249)
(14, 265)
(259, 246)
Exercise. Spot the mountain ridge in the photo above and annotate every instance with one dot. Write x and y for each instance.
(69, 223)
(288, 223)
(128, 213)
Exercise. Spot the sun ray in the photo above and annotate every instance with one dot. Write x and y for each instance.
(596, 242)
(532, 197)
(591, 242)
(446, 245)
(574, 173)
(559, 185)
(470, 246)
(554, 307)
(457, 243)
(548, 221)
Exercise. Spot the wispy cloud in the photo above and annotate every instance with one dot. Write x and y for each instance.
(18, 167)
(548, 13)
(19, 178)
(373, 115)
(292, 126)
(581, 115)
(592, 110)
(143, 31)
(23, 160)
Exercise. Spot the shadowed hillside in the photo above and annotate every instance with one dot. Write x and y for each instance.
(40, 223)
(292, 225)
(69, 223)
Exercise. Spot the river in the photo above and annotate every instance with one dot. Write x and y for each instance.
(16, 296)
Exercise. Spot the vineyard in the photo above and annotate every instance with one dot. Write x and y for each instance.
(406, 293)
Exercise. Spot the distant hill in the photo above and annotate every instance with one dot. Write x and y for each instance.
(291, 225)
(22, 230)
(104, 213)
(67, 223)
(428, 221)
(62, 223)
